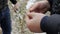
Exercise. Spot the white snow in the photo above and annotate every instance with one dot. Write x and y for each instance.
(29, 3)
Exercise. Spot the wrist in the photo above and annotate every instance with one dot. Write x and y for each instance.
(47, 5)
(44, 6)
(43, 24)
(41, 18)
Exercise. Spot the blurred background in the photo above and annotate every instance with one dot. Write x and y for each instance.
(18, 22)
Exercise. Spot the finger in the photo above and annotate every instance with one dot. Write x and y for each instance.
(33, 7)
(27, 20)
(30, 15)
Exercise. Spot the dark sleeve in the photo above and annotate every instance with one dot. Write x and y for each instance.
(13, 1)
(50, 2)
(51, 24)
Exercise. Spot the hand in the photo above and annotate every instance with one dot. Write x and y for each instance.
(16, 6)
(33, 21)
(40, 7)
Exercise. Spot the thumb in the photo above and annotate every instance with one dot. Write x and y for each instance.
(30, 15)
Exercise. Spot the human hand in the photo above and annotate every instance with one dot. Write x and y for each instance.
(40, 7)
(33, 21)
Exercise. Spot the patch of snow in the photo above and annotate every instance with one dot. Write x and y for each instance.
(29, 3)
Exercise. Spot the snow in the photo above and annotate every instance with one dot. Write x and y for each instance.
(29, 3)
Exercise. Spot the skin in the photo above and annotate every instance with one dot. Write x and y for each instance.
(33, 21)
(34, 17)
(16, 6)
(40, 7)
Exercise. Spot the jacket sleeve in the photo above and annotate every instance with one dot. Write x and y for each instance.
(13, 1)
(51, 24)
(50, 2)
